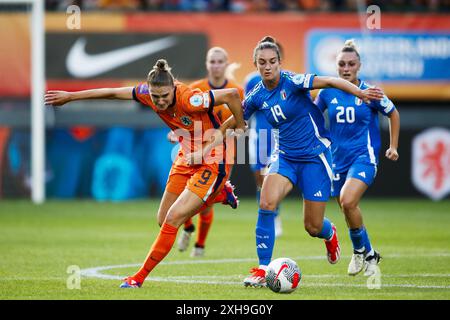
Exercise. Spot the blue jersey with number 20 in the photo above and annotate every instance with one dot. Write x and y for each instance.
(354, 126)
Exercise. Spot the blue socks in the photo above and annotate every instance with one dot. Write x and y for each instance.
(360, 240)
(265, 236)
(356, 235)
(327, 231)
(367, 242)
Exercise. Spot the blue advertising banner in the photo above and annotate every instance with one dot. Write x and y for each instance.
(386, 56)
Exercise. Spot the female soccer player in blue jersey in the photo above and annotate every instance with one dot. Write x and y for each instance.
(261, 141)
(301, 156)
(355, 134)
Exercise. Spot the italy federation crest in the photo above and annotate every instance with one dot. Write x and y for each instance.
(431, 162)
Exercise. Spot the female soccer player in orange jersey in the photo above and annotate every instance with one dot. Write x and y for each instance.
(217, 66)
(184, 110)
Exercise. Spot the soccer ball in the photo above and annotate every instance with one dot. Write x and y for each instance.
(283, 275)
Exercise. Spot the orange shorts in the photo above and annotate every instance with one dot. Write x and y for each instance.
(205, 180)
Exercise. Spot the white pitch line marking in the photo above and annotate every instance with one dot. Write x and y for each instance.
(95, 272)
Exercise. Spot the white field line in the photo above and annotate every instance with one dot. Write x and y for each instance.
(96, 272)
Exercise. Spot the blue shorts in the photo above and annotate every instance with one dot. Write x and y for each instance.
(261, 142)
(311, 176)
(360, 169)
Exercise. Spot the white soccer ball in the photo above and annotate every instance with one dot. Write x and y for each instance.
(283, 275)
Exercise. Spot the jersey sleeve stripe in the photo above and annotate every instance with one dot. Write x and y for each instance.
(212, 101)
(306, 83)
(134, 95)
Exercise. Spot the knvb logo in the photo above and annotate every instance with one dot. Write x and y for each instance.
(431, 162)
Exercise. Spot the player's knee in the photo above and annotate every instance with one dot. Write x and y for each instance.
(267, 204)
(175, 217)
(348, 204)
(312, 228)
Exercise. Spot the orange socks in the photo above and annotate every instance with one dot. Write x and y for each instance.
(188, 224)
(159, 250)
(204, 222)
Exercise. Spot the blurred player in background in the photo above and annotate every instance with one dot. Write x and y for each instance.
(191, 185)
(301, 156)
(355, 133)
(261, 143)
(220, 76)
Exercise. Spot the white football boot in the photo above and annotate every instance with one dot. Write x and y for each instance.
(371, 263)
(197, 252)
(256, 279)
(184, 239)
(356, 264)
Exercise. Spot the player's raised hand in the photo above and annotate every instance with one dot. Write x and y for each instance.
(56, 98)
(392, 154)
(370, 94)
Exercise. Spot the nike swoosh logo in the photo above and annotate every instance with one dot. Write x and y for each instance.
(284, 266)
(83, 65)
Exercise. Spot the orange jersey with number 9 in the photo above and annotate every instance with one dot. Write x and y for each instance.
(190, 117)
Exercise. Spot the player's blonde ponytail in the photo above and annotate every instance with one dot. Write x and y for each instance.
(350, 46)
(231, 69)
(350, 43)
(160, 75)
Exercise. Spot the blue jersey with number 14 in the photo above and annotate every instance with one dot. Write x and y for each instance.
(289, 108)
(354, 127)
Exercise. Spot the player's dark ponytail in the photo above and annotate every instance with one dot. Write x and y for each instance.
(160, 75)
(267, 39)
(267, 42)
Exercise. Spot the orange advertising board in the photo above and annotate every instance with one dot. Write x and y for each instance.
(238, 34)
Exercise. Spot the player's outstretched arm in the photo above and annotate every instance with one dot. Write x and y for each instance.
(233, 100)
(394, 132)
(366, 95)
(59, 98)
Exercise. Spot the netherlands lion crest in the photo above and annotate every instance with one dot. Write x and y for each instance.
(186, 120)
(430, 159)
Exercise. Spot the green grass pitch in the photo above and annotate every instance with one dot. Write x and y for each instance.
(106, 241)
